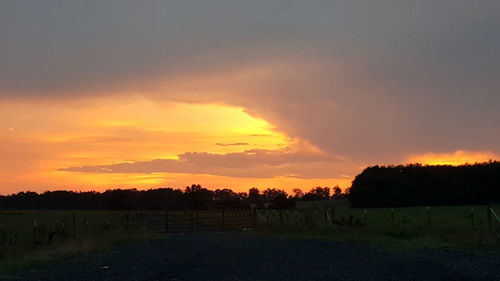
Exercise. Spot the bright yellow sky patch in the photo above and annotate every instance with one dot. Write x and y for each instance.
(47, 137)
(456, 158)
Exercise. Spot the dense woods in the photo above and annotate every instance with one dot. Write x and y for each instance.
(192, 197)
(414, 184)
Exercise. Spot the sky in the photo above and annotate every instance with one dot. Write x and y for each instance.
(235, 94)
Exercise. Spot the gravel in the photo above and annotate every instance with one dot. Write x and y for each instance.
(238, 256)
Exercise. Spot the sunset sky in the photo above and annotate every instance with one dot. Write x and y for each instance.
(234, 94)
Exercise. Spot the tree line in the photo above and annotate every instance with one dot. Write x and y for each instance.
(194, 197)
(419, 185)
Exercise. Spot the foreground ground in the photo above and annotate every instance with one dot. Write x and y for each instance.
(237, 256)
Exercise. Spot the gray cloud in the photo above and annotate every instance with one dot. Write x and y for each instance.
(371, 80)
(55, 46)
(251, 164)
(232, 144)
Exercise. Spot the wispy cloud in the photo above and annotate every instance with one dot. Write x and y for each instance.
(232, 144)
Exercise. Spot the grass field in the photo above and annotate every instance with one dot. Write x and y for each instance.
(30, 237)
(399, 228)
(34, 227)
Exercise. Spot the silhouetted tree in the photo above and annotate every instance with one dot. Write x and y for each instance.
(298, 194)
(226, 198)
(277, 198)
(337, 193)
(254, 196)
(414, 184)
(317, 193)
(198, 197)
(193, 197)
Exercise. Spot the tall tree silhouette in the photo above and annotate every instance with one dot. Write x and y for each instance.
(414, 184)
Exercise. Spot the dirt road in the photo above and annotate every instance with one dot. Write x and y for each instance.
(237, 256)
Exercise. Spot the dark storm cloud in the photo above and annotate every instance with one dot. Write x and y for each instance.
(60, 46)
(56, 47)
(383, 79)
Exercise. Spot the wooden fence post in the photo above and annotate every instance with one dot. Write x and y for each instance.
(392, 217)
(472, 217)
(3, 235)
(428, 216)
(86, 225)
(196, 219)
(223, 220)
(254, 217)
(35, 228)
(127, 220)
(166, 221)
(192, 220)
(488, 212)
(74, 224)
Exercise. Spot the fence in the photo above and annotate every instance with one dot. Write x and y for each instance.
(24, 228)
(410, 221)
(188, 221)
(49, 227)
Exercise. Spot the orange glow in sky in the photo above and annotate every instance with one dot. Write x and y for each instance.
(39, 139)
(458, 157)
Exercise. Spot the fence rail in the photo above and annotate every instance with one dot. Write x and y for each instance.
(412, 220)
(189, 221)
(49, 227)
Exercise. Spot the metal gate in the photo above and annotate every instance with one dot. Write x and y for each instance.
(189, 221)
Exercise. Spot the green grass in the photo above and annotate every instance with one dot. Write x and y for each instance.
(84, 231)
(410, 228)
(75, 233)
(17, 227)
(27, 258)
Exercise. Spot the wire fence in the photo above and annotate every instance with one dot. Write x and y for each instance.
(411, 222)
(33, 228)
(207, 220)
(26, 228)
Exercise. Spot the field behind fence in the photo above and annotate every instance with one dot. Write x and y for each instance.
(33, 228)
(22, 228)
(463, 225)
(189, 221)
(457, 225)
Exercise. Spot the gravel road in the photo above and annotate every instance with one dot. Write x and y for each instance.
(237, 256)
